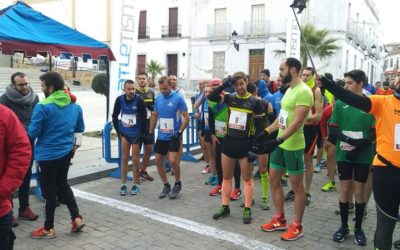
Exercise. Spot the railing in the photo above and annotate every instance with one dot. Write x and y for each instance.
(218, 31)
(171, 30)
(256, 28)
(144, 32)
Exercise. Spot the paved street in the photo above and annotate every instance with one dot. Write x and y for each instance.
(146, 222)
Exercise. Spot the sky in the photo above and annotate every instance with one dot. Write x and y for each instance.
(389, 13)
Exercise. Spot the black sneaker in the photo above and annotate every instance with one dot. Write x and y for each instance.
(257, 175)
(359, 237)
(223, 212)
(308, 199)
(284, 182)
(165, 191)
(396, 244)
(290, 196)
(246, 215)
(341, 234)
(175, 191)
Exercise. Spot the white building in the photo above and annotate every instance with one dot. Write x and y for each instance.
(193, 38)
(391, 64)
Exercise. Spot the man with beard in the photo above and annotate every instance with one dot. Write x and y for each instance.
(287, 149)
(171, 112)
(54, 122)
(21, 99)
(386, 181)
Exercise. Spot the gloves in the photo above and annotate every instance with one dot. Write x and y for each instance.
(252, 154)
(353, 154)
(270, 145)
(261, 137)
(357, 142)
(227, 83)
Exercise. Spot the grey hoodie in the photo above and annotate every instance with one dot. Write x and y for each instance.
(20, 104)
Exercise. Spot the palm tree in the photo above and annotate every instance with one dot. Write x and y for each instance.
(153, 68)
(319, 42)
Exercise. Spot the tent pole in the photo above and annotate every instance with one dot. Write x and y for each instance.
(49, 61)
(108, 86)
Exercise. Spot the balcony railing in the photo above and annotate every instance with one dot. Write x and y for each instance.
(144, 33)
(171, 30)
(218, 31)
(256, 28)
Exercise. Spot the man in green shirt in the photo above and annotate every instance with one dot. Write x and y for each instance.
(354, 154)
(288, 149)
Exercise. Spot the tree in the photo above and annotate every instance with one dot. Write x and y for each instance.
(319, 42)
(100, 84)
(153, 68)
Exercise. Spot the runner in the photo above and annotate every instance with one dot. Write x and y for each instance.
(130, 128)
(386, 181)
(242, 111)
(288, 149)
(354, 130)
(148, 141)
(169, 109)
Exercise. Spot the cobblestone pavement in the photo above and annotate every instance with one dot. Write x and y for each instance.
(147, 222)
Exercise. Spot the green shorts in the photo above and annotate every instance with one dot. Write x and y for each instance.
(292, 160)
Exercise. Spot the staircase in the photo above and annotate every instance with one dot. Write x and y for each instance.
(32, 74)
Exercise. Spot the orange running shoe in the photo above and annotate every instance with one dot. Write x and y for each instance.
(293, 233)
(276, 224)
(215, 191)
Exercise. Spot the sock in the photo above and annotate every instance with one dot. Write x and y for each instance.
(226, 191)
(333, 182)
(236, 175)
(344, 213)
(360, 207)
(248, 189)
(264, 185)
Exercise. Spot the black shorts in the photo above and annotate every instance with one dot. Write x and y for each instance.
(310, 137)
(147, 139)
(163, 147)
(346, 169)
(332, 139)
(132, 139)
(236, 147)
(207, 136)
(320, 143)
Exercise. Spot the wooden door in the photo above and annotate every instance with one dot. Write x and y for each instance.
(141, 63)
(173, 22)
(172, 64)
(256, 64)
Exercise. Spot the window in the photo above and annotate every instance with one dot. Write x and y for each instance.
(219, 64)
(220, 23)
(142, 32)
(257, 19)
(391, 62)
(141, 63)
(355, 61)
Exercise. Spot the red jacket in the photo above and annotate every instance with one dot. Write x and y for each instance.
(15, 156)
(326, 115)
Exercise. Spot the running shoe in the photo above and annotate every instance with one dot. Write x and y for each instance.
(308, 199)
(284, 182)
(257, 175)
(223, 212)
(293, 232)
(135, 190)
(276, 224)
(215, 191)
(236, 194)
(290, 196)
(77, 224)
(215, 181)
(264, 204)
(212, 179)
(341, 234)
(247, 215)
(329, 187)
(145, 176)
(175, 191)
(165, 191)
(27, 214)
(322, 164)
(359, 237)
(317, 169)
(206, 169)
(124, 189)
(41, 233)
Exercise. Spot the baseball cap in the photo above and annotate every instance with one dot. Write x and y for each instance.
(215, 82)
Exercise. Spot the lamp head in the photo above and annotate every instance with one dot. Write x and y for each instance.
(299, 4)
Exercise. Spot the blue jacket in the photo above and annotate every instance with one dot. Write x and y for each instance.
(54, 122)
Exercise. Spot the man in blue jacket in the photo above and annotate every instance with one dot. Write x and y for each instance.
(56, 124)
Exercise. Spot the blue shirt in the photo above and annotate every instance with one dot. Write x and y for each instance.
(276, 101)
(169, 111)
(262, 87)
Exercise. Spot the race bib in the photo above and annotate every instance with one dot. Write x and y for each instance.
(128, 120)
(283, 115)
(352, 134)
(397, 137)
(237, 120)
(220, 127)
(148, 113)
(206, 119)
(166, 125)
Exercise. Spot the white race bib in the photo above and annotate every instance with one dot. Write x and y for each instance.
(206, 119)
(237, 120)
(397, 137)
(128, 120)
(283, 115)
(148, 113)
(352, 134)
(220, 127)
(166, 125)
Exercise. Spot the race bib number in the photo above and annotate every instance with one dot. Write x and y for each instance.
(166, 125)
(237, 120)
(206, 119)
(148, 113)
(352, 134)
(397, 137)
(128, 120)
(220, 127)
(283, 115)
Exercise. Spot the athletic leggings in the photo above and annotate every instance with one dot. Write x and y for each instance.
(53, 179)
(218, 165)
(386, 187)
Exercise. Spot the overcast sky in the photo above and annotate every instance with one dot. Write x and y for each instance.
(389, 14)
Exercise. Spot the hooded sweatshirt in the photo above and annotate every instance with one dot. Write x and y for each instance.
(22, 105)
(54, 122)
